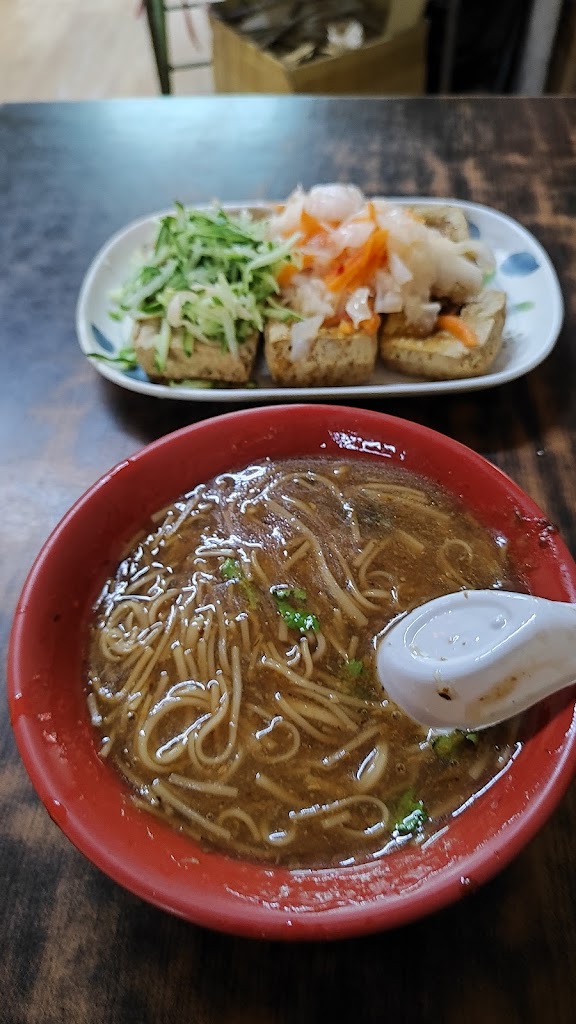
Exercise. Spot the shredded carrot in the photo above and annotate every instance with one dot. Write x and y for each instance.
(368, 215)
(351, 268)
(371, 325)
(456, 325)
(310, 226)
(359, 267)
(286, 274)
(379, 248)
(371, 211)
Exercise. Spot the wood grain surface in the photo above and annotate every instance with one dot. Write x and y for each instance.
(74, 947)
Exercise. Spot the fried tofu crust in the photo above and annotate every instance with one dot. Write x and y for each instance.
(333, 358)
(448, 220)
(206, 362)
(441, 356)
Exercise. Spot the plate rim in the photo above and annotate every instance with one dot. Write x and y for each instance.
(401, 389)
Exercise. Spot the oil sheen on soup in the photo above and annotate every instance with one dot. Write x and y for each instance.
(231, 662)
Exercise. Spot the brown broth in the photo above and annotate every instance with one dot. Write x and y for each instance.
(231, 661)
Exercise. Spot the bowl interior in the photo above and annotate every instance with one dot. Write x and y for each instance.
(90, 803)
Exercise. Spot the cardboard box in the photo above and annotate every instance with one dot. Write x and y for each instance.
(392, 64)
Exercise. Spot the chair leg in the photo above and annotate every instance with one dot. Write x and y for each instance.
(156, 15)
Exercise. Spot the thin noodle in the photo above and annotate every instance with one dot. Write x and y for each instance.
(280, 838)
(297, 556)
(95, 716)
(202, 658)
(280, 792)
(373, 767)
(363, 737)
(445, 563)
(237, 814)
(223, 653)
(316, 714)
(364, 554)
(293, 656)
(160, 601)
(352, 585)
(148, 655)
(138, 584)
(412, 543)
(336, 644)
(211, 651)
(258, 571)
(286, 755)
(192, 634)
(209, 726)
(178, 655)
(309, 667)
(282, 632)
(337, 805)
(336, 820)
(320, 646)
(245, 633)
(343, 599)
(320, 693)
(375, 553)
(214, 788)
(299, 720)
(204, 824)
(105, 748)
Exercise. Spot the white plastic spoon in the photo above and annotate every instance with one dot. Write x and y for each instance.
(477, 657)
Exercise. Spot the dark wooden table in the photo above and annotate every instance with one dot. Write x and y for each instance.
(74, 947)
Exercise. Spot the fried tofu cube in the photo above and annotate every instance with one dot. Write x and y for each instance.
(332, 359)
(442, 356)
(205, 362)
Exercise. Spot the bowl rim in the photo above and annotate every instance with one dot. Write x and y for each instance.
(262, 920)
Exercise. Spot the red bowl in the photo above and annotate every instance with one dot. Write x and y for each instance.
(90, 803)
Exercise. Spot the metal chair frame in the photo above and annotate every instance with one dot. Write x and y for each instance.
(156, 11)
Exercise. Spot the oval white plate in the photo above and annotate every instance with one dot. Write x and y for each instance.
(524, 271)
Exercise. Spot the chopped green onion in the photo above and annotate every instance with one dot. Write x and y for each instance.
(232, 571)
(409, 815)
(353, 668)
(446, 744)
(294, 617)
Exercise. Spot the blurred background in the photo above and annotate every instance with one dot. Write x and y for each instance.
(71, 50)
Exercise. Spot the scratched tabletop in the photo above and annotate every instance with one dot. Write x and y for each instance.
(74, 946)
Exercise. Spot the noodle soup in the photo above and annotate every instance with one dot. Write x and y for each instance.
(231, 662)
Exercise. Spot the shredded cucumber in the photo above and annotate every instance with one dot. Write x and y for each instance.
(210, 274)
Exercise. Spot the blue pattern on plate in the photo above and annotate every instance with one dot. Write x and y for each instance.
(137, 374)
(473, 229)
(519, 264)
(102, 340)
